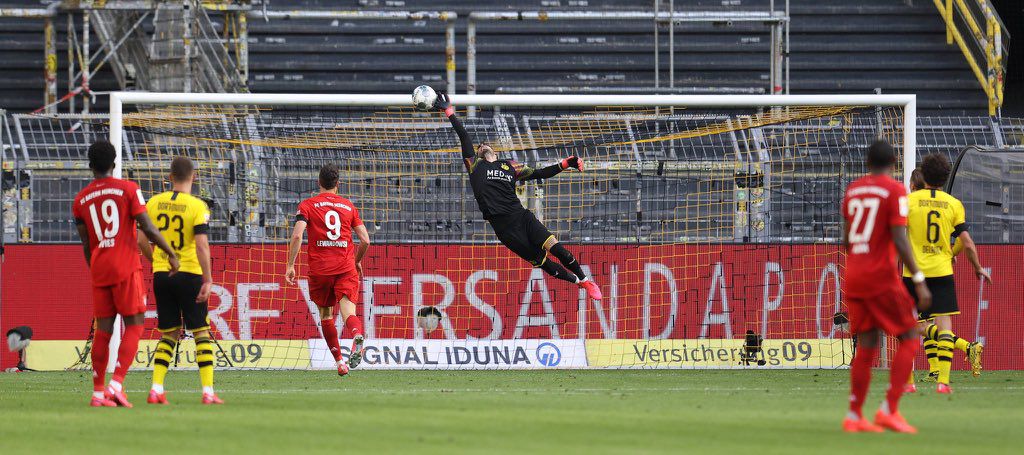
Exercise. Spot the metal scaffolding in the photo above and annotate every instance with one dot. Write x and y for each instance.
(778, 21)
(201, 59)
(195, 57)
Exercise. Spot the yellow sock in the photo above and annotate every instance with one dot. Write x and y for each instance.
(960, 344)
(931, 351)
(932, 332)
(162, 358)
(945, 355)
(204, 358)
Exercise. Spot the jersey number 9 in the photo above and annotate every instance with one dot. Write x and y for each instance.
(333, 221)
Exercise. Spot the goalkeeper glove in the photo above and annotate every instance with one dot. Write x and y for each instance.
(574, 162)
(442, 103)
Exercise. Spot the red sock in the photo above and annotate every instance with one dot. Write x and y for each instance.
(902, 365)
(100, 353)
(860, 377)
(354, 324)
(126, 352)
(331, 336)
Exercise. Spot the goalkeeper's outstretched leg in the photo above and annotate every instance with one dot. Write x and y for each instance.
(569, 262)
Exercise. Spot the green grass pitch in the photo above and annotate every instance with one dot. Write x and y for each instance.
(607, 411)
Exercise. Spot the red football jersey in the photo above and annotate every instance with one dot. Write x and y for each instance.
(330, 219)
(872, 205)
(107, 207)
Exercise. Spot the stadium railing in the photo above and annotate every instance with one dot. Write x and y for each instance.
(975, 27)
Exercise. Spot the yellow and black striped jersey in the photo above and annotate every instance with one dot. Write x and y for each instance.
(179, 217)
(935, 218)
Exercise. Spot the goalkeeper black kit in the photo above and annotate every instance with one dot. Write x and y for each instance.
(494, 182)
(494, 187)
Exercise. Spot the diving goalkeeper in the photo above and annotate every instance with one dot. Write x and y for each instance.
(494, 186)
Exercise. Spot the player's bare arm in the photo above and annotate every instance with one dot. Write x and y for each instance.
(906, 253)
(364, 244)
(145, 247)
(972, 256)
(154, 236)
(203, 253)
(294, 245)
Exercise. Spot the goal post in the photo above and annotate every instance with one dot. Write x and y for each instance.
(709, 221)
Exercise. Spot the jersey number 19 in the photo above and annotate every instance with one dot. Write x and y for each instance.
(108, 209)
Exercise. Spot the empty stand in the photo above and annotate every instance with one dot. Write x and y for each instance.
(836, 47)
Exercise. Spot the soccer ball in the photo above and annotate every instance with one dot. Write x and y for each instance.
(423, 97)
(428, 317)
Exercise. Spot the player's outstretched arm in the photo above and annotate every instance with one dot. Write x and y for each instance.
(147, 227)
(899, 237)
(83, 235)
(971, 250)
(444, 104)
(294, 244)
(573, 162)
(364, 244)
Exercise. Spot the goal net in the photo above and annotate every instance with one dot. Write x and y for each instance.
(711, 224)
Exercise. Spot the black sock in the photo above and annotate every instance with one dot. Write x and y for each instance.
(557, 271)
(567, 259)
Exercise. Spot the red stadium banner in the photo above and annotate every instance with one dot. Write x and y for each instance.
(667, 291)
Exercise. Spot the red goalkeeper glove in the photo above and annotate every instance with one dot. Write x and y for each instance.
(442, 103)
(574, 162)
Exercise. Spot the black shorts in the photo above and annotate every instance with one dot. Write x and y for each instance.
(943, 297)
(176, 302)
(523, 234)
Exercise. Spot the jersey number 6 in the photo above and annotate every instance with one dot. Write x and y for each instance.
(933, 227)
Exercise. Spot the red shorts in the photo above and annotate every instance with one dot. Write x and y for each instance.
(892, 312)
(327, 291)
(126, 298)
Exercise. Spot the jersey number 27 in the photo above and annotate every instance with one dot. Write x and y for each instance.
(864, 212)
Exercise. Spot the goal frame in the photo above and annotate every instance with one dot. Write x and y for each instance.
(908, 102)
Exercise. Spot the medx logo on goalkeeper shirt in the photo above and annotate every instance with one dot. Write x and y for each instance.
(494, 174)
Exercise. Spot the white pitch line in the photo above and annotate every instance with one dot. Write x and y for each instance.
(510, 391)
